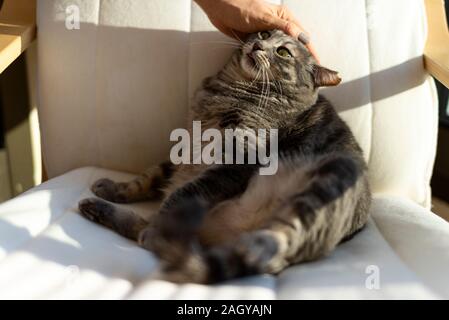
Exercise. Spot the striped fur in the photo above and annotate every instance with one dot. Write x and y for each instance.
(217, 222)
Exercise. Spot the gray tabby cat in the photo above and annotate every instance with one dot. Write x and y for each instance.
(218, 222)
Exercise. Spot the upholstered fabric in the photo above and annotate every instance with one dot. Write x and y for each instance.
(111, 92)
(48, 251)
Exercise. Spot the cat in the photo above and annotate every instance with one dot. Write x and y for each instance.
(222, 221)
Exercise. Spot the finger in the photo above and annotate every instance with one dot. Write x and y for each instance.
(295, 28)
(285, 13)
(305, 39)
(292, 29)
(314, 53)
(288, 27)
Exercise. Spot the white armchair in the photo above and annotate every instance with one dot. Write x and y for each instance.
(111, 91)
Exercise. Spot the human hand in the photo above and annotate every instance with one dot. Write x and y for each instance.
(236, 18)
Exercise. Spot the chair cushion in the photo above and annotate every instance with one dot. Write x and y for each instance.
(111, 92)
(47, 250)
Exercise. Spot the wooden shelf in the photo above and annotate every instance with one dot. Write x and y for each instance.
(436, 53)
(17, 29)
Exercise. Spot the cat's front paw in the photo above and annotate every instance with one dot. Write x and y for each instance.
(96, 210)
(260, 251)
(110, 190)
(146, 237)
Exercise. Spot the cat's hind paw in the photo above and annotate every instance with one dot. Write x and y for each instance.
(96, 210)
(110, 190)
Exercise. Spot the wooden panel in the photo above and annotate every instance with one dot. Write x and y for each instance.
(441, 208)
(440, 178)
(436, 53)
(15, 103)
(33, 118)
(17, 29)
(5, 182)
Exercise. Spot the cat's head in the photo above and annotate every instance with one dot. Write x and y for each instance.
(279, 57)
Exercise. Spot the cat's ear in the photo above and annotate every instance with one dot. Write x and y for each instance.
(325, 77)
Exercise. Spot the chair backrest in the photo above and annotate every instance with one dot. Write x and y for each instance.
(111, 91)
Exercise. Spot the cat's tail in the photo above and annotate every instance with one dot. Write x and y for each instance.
(183, 259)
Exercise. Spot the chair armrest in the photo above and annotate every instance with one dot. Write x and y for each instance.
(17, 29)
(436, 52)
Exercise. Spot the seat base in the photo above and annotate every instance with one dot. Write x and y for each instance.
(47, 250)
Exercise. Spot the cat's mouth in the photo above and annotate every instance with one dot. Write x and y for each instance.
(256, 59)
(251, 59)
(253, 62)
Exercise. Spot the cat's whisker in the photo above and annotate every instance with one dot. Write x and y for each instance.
(265, 90)
(275, 75)
(268, 90)
(231, 44)
(215, 48)
(259, 72)
(215, 41)
(254, 80)
(268, 83)
(266, 62)
(250, 84)
(279, 86)
(237, 37)
(262, 90)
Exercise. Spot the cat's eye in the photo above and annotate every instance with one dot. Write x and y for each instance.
(284, 52)
(264, 35)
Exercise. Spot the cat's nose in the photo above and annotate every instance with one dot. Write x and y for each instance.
(257, 46)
